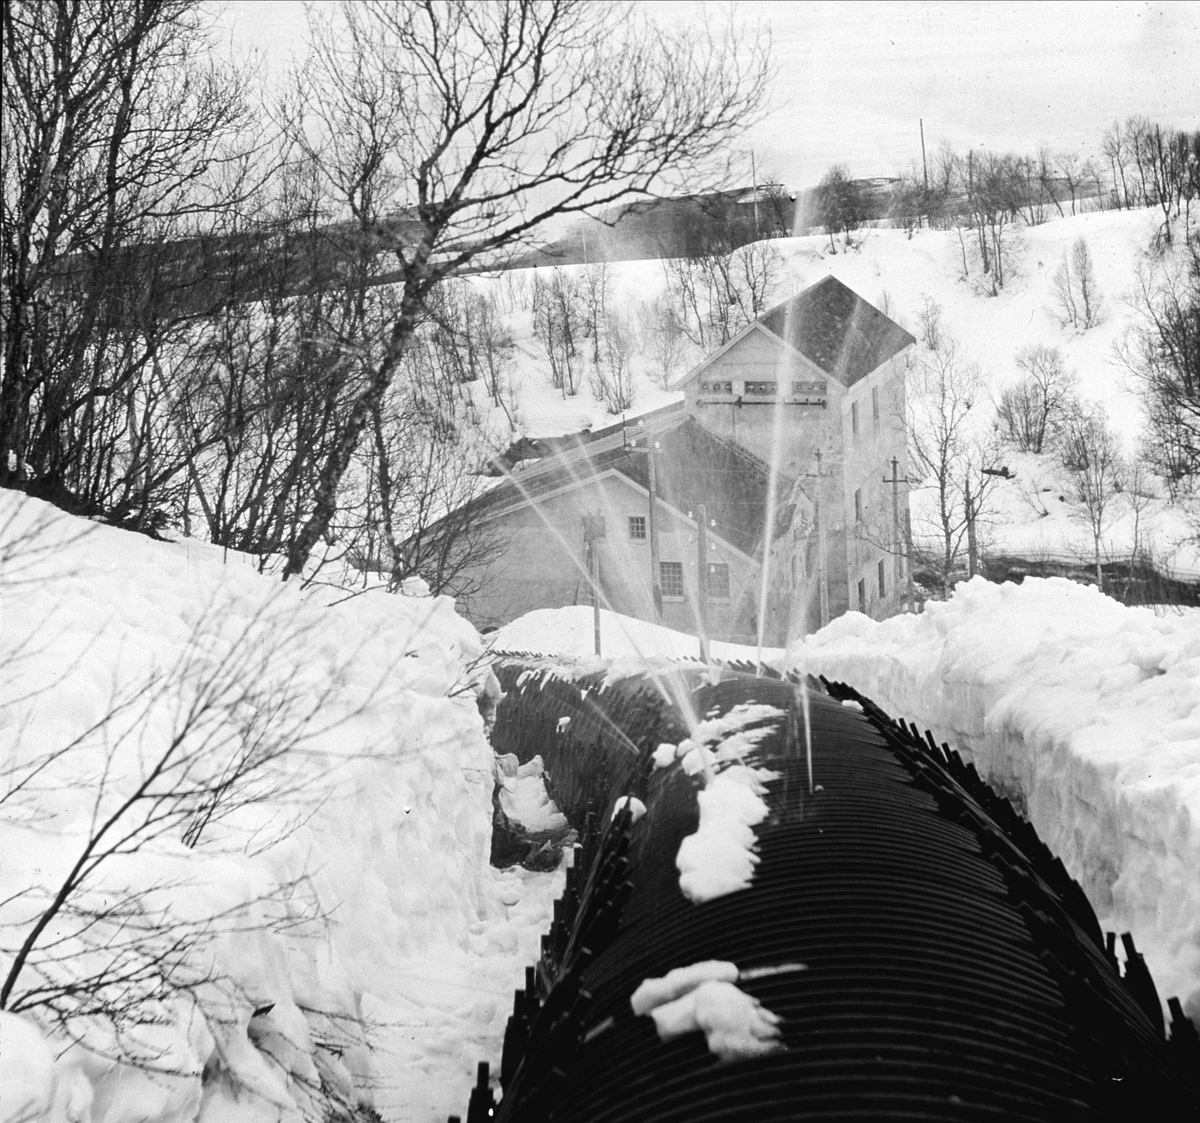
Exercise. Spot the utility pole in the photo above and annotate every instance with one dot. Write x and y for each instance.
(924, 165)
(912, 603)
(754, 177)
(972, 547)
(651, 511)
(819, 514)
(901, 554)
(702, 579)
(593, 531)
(652, 530)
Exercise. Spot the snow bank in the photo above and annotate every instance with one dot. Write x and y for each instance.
(1082, 709)
(357, 937)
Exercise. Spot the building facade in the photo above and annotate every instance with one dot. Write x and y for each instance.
(790, 440)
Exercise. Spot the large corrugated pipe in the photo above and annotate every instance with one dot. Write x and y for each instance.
(901, 944)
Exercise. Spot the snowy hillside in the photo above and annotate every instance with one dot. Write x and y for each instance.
(899, 275)
(895, 273)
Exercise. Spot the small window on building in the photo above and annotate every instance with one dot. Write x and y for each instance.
(808, 388)
(858, 507)
(716, 387)
(875, 406)
(671, 578)
(854, 418)
(862, 595)
(760, 389)
(718, 581)
(882, 583)
(637, 526)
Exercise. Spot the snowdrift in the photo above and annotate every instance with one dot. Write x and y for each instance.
(345, 940)
(1085, 712)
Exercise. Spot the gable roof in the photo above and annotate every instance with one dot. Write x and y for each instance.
(692, 467)
(834, 328)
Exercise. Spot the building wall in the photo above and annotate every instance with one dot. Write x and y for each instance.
(877, 536)
(785, 432)
(544, 568)
(857, 431)
(543, 564)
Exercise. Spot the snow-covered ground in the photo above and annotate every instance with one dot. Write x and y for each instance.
(362, 908)
(358, 901)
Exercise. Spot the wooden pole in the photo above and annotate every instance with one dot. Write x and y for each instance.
(822, 582)
(596, 593)
(652, 527)
(972, 546)
(924, 165)
(702, 578)
(912, 602)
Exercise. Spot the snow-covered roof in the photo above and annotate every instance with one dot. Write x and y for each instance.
(831, 326)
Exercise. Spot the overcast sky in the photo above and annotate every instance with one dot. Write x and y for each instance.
(855, 79)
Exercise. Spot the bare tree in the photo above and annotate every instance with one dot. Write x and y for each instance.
(1116, 150)
(994, 186)
(778, 209)
(1076, 294)
(1031, 410)
(612, 377)
(593, 286)
(663, 337)
(950, 447)
(1090, 455)
(840, 205)
(123, 146)
(908, 203)
(1162, 352)
(559, 322)
(716, 293)
(480, 121)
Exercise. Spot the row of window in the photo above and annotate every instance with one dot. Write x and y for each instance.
(670, 576)
(670, 579)
(764, 389)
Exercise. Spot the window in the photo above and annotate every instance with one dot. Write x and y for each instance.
(854, 418)
(718, 581)
(882, 585)
(808, 388)
(760, 389)
(875, 406)
(858, 507)
(862, 595)
(637, 526)
(716, 387)
(671, 578)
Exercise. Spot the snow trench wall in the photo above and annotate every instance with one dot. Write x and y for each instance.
(1086, 712)
(899, 945)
